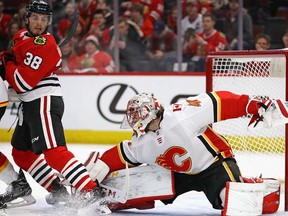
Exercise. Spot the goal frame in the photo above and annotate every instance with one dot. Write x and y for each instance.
(266, 53)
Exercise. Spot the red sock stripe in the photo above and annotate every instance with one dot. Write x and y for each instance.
(33, 166)
(89, 186)
(71, 163)
(48, 183)
(64, 162)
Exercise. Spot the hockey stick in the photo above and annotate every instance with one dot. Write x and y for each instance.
(72, 30)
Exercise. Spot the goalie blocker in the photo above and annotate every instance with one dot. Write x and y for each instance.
(150, 183)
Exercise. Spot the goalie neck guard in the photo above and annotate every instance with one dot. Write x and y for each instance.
(141, 110)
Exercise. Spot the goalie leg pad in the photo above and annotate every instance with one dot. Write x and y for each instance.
(148, 183)
(271, 198)
(243, 199)
(130, 204)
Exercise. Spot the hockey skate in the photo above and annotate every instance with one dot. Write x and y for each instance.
(58, 195)
(97, 202)
(94, 202)
(18, 193)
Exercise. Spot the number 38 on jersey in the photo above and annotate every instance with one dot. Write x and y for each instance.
(33, 61)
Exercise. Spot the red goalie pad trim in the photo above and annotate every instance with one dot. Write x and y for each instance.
(271, 202)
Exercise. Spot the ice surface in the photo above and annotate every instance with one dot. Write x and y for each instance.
(192, 203)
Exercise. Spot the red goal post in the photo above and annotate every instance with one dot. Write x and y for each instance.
(263, 74)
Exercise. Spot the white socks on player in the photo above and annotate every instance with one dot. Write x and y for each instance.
(8, 174)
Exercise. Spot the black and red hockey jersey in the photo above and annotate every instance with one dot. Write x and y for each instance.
(37, 58)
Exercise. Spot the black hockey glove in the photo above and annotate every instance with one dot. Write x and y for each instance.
(5, 56)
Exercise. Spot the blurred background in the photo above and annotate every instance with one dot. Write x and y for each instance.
(154, 35)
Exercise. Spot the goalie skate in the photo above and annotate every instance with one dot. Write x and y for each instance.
(271, 114)
(18, 193)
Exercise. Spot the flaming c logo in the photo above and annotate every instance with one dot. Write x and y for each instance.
(167, 160)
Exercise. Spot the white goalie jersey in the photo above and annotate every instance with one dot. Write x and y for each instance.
(3, 94)
(185, 142)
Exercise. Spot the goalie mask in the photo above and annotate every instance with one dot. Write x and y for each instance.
(141, 110)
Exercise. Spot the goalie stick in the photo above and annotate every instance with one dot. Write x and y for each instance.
(72, 30)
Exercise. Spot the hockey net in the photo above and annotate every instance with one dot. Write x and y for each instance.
(259, 73)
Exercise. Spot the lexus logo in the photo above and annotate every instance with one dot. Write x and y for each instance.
(112, 101)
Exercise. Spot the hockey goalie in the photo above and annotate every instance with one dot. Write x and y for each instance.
(174, 150)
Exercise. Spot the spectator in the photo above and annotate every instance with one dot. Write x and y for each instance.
(197, 46)
(19, 17)
(193, 19)
(65, 23)
(162, 46)
(13, 29)
(153, 9)
(190, 44)
(190, 51)
(79, 37)
(98, 25)
(204, 6)
(5, 20)
(259, 10)
(231, 17)
(133, 53)
(105, 7)
(210, 39)
(137, 16)
(219, 6)
(86, 9)
(95, 60)
(285, 39)
(69, 58)
(172, 19)
(262, 42)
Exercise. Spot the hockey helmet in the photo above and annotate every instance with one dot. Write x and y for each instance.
(141, 110)
(38, 6)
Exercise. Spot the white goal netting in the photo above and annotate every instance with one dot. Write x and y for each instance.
(254, 73)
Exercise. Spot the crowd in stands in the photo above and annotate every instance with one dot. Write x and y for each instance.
(147, 31)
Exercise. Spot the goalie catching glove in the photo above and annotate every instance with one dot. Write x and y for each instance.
(271, 113)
